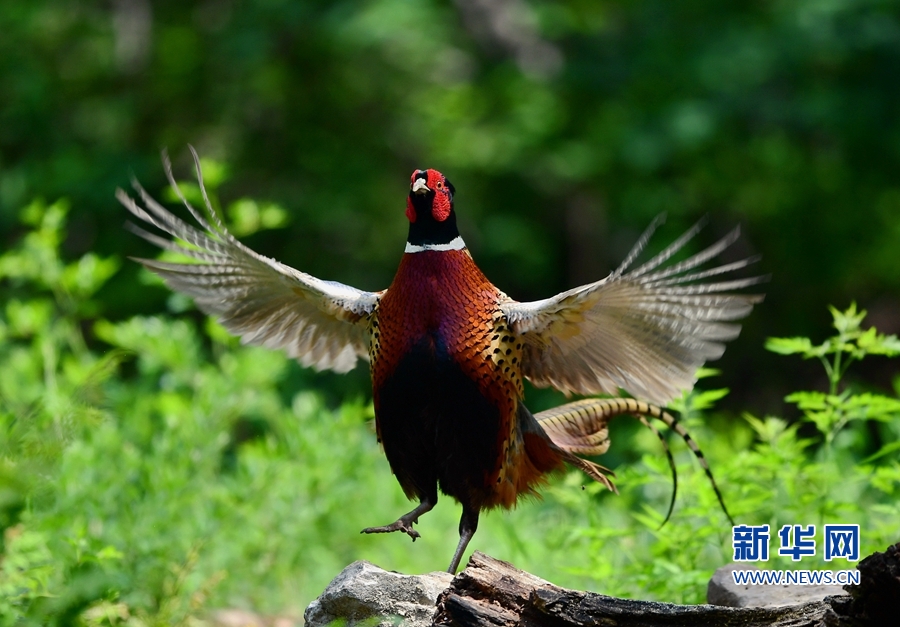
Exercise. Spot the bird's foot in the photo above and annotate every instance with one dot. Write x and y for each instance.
(403, 524)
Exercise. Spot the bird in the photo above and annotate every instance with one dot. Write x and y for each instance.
(448, 351)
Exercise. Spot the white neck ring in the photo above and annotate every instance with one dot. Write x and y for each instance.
(456, 243)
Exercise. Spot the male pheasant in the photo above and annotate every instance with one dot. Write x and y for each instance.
(448, 351)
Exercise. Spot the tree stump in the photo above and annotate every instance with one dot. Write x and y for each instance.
(492, 593)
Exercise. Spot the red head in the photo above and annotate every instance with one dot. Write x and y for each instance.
(429, 208)
(434, 188)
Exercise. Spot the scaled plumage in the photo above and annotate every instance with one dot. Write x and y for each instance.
(449, 351)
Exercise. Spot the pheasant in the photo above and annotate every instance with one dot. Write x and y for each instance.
(448, 351)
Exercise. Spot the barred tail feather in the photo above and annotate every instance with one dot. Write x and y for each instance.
(665, 445)
(581, 428)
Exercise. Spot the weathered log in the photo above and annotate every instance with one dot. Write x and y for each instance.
(876, 600)
(492, 593)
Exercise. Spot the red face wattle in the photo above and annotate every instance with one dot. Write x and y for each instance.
(430, 183)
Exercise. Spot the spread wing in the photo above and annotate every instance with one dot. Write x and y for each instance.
(646, 330)
(320, 323)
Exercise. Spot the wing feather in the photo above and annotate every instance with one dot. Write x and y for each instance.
(645, 330)
(322, 324)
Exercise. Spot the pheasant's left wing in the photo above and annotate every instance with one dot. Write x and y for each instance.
(647, 330)
(323, 324)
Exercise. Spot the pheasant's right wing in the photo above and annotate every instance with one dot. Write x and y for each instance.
(646, 330)
(320, 323)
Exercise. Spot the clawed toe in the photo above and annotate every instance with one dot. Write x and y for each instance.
(405, 523)
(399, 525)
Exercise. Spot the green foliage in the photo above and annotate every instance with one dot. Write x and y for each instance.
(850, 344)
(152, 469)
(564, 139)
(832, 411)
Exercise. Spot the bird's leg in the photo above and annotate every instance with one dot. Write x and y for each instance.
(467, 526)
(405, 522)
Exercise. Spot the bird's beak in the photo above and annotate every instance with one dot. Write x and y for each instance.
(420, 187)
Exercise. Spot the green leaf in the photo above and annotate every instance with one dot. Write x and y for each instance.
(847, 322)
(872, 407)
(27, 318)
(33, 213)
(220, 334)
(808, 400)
(769, 429)
(887, 449)
(873, 343)
(214, 172)
(789, 345)
(707, 398)
(887, 478)
(247, 217)
(87, 275)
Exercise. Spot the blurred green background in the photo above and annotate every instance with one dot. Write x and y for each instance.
(565, 126)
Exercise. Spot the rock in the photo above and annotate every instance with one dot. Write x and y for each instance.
(723, 591)
(363, 591)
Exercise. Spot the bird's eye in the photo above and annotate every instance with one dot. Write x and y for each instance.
(439, 185)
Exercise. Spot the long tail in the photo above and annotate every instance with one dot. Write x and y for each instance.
(581, 428)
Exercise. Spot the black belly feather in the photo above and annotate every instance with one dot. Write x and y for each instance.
(437, 428)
